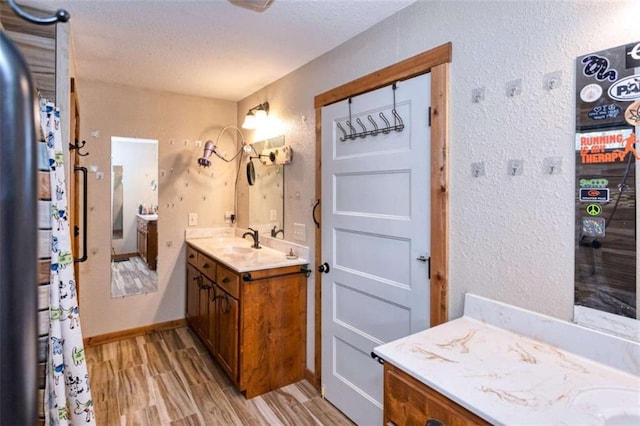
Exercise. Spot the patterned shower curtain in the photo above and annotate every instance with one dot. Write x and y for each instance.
(67, 396)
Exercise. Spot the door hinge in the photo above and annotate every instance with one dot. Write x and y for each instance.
(429, 116)
(322, 391)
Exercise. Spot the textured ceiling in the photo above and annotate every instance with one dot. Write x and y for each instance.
(209, 47)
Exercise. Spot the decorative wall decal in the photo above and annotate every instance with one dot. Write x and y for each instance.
(632, 114)
(626, 89)
(598, 66)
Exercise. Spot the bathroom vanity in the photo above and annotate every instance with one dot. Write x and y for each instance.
(500, 364)
(249, 308)
(148, 239)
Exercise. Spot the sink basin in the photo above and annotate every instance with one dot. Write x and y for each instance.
(235, 250)
(622, 419)
(613, 405)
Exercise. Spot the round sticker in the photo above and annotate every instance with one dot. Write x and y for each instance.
(593, 209)
(632, 114)
(591, 93)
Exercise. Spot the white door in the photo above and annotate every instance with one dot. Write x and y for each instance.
(376, 221)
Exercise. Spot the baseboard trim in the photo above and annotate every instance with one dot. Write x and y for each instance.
(133, 332)
(311, 377)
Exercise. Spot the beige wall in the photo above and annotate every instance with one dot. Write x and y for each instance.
(177, 121)
(511, 238)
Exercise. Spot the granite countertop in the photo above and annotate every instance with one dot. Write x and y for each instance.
(237, 254)
(497, 362)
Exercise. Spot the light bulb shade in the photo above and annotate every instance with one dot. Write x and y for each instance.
(261, 115)
(249, 121)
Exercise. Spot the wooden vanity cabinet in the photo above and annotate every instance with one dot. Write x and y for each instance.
(256, 329)
(408, 401)
(148, 242)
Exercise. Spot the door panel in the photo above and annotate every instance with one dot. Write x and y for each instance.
(376, 223)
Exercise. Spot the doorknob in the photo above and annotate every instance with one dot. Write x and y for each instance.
(324, 268)
(421, 259)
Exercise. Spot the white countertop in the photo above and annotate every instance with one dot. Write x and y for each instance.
(246, 259)
(507, 377)
(147, 217)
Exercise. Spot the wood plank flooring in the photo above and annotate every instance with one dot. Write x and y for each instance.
(169, 378)
(131, 277)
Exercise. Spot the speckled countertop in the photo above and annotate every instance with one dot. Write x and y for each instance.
(237, 254)
(512, 366)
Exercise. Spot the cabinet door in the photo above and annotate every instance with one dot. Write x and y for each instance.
(227, 334)
(203, 310)
(139, 245)
(193, 295)
(410, 402)
(214, 295)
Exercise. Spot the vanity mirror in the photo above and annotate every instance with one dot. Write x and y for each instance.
(266, 195)
(607, 183)
(134, 217)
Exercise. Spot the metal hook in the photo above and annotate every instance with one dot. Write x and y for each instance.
(344, 132)
(387, 129)
(400, 126)
(77, 146)
(373, 132)
(60, 16)
(352, 130)
(364, 129)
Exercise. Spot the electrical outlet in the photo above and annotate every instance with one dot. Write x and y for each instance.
(299, 232)
(273, 214)
(193, 219)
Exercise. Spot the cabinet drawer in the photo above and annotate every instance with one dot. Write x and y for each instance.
(207, 266)
(192, 256)
(229, 281)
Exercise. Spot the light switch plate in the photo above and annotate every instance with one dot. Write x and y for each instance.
(299, 232)
(193, 219)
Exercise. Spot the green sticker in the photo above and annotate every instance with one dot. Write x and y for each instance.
(594, 209)
(594, 183)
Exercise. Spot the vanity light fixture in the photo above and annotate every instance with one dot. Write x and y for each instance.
(256, 116)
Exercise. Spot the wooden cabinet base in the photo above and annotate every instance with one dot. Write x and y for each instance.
(408, 401)
(256, 330)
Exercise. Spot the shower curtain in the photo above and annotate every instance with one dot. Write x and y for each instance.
(67, 396)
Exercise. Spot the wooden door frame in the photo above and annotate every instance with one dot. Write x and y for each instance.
(437, 62)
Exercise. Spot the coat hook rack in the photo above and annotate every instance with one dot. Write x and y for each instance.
(353, 133)
(77, 146)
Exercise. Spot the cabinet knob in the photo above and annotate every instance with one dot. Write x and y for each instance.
(191, 256)
(205, 266)
(434, 422)
(225, 280)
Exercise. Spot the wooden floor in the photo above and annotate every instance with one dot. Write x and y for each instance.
(131, 277)
(168, 378)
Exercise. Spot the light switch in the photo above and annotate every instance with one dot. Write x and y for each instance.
(193, 219)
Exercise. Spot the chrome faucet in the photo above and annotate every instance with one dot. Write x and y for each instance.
(275, 231)
(254, 234)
